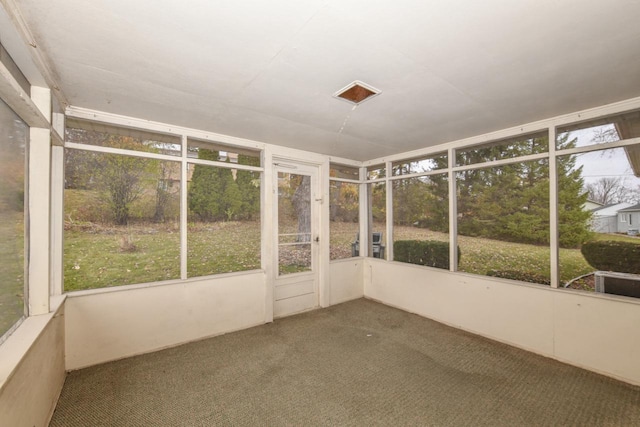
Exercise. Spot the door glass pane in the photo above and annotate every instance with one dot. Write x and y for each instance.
(294, 223)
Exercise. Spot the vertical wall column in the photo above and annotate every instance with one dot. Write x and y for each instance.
(453, 213)
(267, 199)
(325, 235)
(39, 185)
(389, 207)
(553, 209)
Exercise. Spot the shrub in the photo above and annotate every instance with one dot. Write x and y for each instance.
(523, 276)
(610, 255)
(423, 252)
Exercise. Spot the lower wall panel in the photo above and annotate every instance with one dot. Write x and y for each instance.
(345, 278)
(594, 332)
(28, 397)
(114, 324)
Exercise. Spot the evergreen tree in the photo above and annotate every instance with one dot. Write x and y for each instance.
(249, 187)
(206, 190)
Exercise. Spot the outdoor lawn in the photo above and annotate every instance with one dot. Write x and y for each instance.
(96, 256)
(480, 255)
(11, 271)
(112, 256)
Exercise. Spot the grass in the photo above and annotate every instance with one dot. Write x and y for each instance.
(94, 256)
(480, 255)
(11, 269)
(97, 257)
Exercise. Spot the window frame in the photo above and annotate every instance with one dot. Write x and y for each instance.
(185, 160)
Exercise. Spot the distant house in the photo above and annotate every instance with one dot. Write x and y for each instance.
(591, 205)
(629, 219)
(604, 219)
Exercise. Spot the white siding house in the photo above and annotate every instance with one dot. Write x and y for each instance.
(605, 218)
(629, 219)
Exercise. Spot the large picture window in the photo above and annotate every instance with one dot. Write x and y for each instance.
(223, 231)
(14, 134)
(503, 221)
(605, 187)
(121, 220)
(421, 220)
(126, 195)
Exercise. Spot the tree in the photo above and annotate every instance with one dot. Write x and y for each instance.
(573, 220)
(205, 190)
(249, 187)
(215, 194)
(301, 200)
(119, 177)
(511, 202)
(609, 190)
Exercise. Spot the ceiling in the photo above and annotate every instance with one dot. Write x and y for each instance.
(267, 70)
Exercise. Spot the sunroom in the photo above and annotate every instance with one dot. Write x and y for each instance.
(171, 173)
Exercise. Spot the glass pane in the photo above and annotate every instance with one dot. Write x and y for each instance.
(14, 134)
(503, 221)
(377, 196)
(420, 164)
(599, 220)
(375, 172)
(344, 209)
(294, 223)
(345, 172)
(93, 133)
(121, 220)
(505, 149)
(208, 150)
(223, 228)
(421, 220)
(599, 131)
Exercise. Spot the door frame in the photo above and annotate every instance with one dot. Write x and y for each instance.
(290, 165)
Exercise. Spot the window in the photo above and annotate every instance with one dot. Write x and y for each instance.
(123, 207)
(598, 260)
(223, 231)
(421, 220)
(420, 164)
(106, 135)
(14, 136)
(510, 148)
(344, 211)
(503, 221)
(603, 238)
(121, 219)
(600, 131)
(377, 196)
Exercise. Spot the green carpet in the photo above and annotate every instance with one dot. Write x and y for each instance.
(355, 364)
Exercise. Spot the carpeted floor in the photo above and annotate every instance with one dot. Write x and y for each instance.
(356, 364)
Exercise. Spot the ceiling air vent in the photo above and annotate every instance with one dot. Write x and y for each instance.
(357, 92)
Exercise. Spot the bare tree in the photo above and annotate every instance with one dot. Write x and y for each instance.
(609, 190)
(302, 203)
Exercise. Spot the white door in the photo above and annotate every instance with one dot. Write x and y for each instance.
(296, 224)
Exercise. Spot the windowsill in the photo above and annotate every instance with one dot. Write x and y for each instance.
(123, 288)
(538, 286)
(18, 344)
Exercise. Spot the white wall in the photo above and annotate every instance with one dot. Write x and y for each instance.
(596, 332)
(345, 277)
(110, 324)
(32, 370)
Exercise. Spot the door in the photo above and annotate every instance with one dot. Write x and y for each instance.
(297, 240)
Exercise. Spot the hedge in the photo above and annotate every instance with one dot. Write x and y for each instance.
(611, 255)
(431, 253)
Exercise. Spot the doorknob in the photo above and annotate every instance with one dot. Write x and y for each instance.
(317, 239)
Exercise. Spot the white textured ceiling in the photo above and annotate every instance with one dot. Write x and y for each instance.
(266, 70)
